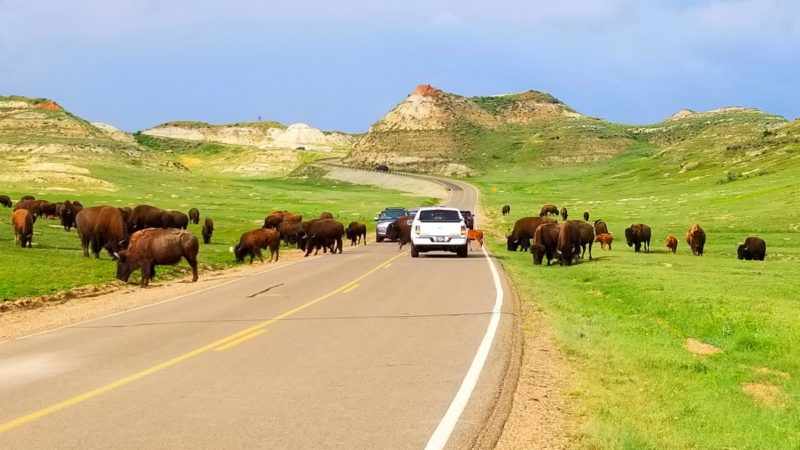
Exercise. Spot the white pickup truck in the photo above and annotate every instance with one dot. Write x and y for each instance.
(438, 228)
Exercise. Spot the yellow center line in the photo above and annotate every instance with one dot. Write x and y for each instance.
(350, 288)
(178, 359)
(386, 266)
(244, 338)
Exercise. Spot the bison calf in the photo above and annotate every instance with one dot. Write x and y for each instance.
(252, 242)
(671, 243)
(153, 246)
(605, 240)
(207, 230)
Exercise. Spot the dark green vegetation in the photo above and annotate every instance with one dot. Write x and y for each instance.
(623, 320)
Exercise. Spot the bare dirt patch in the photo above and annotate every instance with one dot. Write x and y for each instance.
(768, 371)
(768, 395)
(29, 316)
(701, 348)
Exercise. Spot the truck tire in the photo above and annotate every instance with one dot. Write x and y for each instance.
(463, 251)
(378, 238)
(414, 251)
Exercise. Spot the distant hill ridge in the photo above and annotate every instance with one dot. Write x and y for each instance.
(265, 135)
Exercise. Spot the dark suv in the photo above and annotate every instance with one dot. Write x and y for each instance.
(468, 219)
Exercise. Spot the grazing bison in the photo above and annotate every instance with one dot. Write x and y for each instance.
(207, 230)
(22, 222)
(275, 218)
(585, 237)
(671, 242)
(26, 204)
(638, 234)
(324, 233)
(586, 216)
(523, 231)
(564, 213)
(355, 232)
(146, 216)
(101, 227)
(179, 220)
(696, 238)
(326, 215)
(754, 248)
(605, 240)
(475, 235)
(252, 242)
(506, 209)
(545, 242)
(548, 210)
(194, 216)
(382, 168)
(28, 197)
(600, 227)
(46, 208)
(400, 230)
(151, 247)
(569, 238)
(6, 201)
(291, 232)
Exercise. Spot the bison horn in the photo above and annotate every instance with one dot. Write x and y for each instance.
(116, 255)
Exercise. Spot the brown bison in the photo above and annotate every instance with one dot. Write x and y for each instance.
(564, 213)
(326, 215)
(605, 240)
(6, 201)
(28, 197)
(638, 235)
(46, 208)
(506, 209)
(275, 218)
(382, 168)
(151, 247)
(147, 216)
(291, 232)
(400, 230)
(194, 216)
(355, 232)
(545, 242)
(101, 227)
(523, 231)
(25, 204)
(326, 233)
(22, 222)
(754, 248)
(696, 238)
(80, 205)
(252, 242)
(179, 220)
(586, 216)
(671, 242)
(585, 237)
(569, 239)
(67, 213)
(207, 230)
(548, 210)
(600, 227)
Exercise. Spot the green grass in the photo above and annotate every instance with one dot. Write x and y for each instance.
(235, 203)
(622, 319)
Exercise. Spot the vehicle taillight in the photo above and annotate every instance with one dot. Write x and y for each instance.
(416, 230)
(463, 230)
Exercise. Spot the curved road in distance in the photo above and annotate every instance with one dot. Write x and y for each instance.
(366, 349)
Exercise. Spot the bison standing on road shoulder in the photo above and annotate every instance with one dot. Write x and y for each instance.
(22, 222)
(754, 248)
(153, 246)
(252, 242)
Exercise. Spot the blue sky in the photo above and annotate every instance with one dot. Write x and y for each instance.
(343, 65)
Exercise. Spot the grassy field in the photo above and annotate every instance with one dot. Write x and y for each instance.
(623, 319)
(235, 203)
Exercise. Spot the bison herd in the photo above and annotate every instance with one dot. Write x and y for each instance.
(567, 241)
(146, 236)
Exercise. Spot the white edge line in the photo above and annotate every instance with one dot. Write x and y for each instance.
(447, 425)
(238, 278)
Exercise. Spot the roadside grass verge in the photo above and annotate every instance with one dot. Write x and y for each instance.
(236, 204)
(623, 319)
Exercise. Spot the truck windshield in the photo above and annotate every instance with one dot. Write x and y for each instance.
(439, 215)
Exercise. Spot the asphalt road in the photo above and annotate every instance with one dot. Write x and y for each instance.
(367, 349)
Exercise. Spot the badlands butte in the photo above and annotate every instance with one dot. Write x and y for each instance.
(629, 351)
